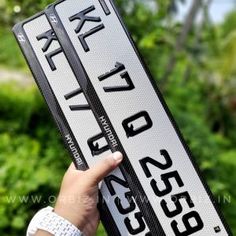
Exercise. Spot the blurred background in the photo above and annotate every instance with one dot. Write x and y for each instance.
(190, 48)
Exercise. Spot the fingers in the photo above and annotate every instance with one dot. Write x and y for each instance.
(72, 170)
(71, 167)
(98, 172)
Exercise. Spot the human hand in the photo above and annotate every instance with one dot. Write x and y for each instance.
(78, 197)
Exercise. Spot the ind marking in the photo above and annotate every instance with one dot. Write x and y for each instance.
(217, 229)
(83, 17)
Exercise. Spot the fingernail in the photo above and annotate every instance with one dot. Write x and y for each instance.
(118, 157)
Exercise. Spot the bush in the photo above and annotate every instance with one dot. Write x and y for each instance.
(10, 52)
(32, 158)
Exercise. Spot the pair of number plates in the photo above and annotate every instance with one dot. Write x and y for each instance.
(103, 100)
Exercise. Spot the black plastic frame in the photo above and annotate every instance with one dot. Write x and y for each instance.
(58, 116)
(94, 102)
(99, 111)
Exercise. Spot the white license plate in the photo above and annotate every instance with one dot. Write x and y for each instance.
(80, 130)
(97, 55)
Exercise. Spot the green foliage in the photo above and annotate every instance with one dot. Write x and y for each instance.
(226, 169)
(32, 158)
(10, 54)
(13, 11)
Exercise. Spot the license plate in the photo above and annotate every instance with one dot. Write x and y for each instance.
(98, 80)
(80, 131)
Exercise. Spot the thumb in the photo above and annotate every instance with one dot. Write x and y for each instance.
(98, 172)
